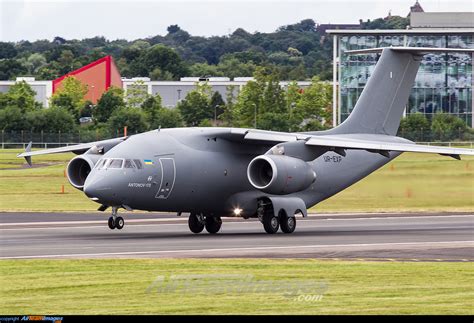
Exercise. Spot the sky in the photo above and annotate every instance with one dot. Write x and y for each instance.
(38, 19)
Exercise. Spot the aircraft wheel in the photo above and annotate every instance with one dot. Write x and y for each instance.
(111, 223)
(270, 223)
(287, 223)
(195, 225)
(213, 224)
(119, 223)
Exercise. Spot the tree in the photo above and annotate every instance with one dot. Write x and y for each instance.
(133, 119)
(446, 127)
(137, 94)
(314, 107)
(21, 96)
(7, 50)
(110, 101)
(11, 68)
(12, 119)
(227, 115)
(57, 119)
(262, 103)
(164, 58)
(217, 104)
(415, 127)
(169, 118)
(173, 29)
(195, 108)
(34, 62)
(152, 107)
(70, 96)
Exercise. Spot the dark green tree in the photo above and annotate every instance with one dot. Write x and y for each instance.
(21, 96)
(7, 50)
(447, 127)
(133, 118)
(109, 102)
(195, 108)
(415, 127)
(217, 104)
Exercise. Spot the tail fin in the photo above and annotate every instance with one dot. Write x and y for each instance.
(381, 104)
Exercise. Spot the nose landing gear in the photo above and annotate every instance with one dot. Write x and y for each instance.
(116, 222)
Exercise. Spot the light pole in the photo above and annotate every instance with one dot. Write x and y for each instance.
(255, 120)
(215, 114)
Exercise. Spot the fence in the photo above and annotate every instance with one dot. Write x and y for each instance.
(44, 140)
(17, 139)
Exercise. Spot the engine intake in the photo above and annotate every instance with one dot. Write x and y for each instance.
(79, 168)
(277, 174)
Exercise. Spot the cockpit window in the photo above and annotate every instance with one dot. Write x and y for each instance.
(97, 165)
(101, 163)
(138, 163)
(115, 163)
(128, 164)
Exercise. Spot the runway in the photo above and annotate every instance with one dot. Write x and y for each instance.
(383, 237)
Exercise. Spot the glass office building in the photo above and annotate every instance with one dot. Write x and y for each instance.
(444, 81)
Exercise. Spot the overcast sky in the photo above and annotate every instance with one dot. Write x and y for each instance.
(35, 19)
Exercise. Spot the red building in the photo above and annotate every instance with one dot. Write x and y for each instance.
(98, 76)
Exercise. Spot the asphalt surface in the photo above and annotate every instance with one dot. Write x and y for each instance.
(384, 237)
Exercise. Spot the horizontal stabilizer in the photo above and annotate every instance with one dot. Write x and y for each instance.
(411, 50)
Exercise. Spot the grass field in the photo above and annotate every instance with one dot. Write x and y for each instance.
(124, 287)
(411, 183)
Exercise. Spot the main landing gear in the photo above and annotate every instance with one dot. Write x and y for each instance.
(198, 221)
(271, 223)
(116, 222)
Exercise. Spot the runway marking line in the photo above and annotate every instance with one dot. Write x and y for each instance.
(69, 224)
(125, 253)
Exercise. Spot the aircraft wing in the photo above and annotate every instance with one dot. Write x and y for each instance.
(374, 143)
(385, 146)
(77, 149)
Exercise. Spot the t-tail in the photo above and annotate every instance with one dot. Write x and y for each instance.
(380, 106)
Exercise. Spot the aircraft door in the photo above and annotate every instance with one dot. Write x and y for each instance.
(168, 171)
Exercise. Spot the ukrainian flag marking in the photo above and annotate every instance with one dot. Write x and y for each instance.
(148, 162)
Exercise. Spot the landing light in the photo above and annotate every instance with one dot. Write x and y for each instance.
(237, 211)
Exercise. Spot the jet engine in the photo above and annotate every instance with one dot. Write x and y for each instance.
(79, 168)
(278, 174)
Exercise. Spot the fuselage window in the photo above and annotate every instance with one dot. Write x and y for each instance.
(128, 164)
(116, 163)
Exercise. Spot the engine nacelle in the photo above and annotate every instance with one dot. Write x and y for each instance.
(79, 168)
(278, 174)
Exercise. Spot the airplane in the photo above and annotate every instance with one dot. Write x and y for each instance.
(212, 173)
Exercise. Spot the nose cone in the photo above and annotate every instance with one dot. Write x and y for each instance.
(96, 188)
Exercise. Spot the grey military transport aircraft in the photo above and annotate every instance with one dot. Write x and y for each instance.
(273, 176)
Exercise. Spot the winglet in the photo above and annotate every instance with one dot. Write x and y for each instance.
(27, 150)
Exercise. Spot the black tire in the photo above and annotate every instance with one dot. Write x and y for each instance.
(287, 223)
(111, 223)
(271, 223)
(213, 224)
(119, 223)
(194, 225)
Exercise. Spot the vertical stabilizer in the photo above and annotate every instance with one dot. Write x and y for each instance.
(379, 108)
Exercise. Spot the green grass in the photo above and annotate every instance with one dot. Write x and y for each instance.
(120, 287)
(411, 183)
